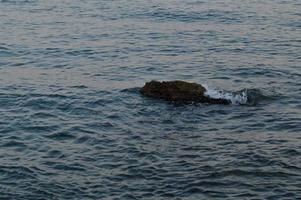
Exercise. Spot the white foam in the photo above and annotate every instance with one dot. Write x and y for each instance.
(235, 98)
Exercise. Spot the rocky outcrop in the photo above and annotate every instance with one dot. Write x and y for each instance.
(179, 91)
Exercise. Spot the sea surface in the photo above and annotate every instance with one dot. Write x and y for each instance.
(73, 124)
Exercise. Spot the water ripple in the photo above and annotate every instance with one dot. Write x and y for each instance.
(73, 124)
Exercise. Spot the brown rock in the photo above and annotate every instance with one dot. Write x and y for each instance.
(179, 91)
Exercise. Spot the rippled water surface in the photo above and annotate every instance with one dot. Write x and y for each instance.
(74, 126)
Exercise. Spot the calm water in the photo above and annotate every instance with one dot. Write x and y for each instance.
(74, 126)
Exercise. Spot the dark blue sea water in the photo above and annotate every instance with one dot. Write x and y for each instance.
(74, 126)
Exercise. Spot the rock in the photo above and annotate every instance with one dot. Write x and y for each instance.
(179, 91)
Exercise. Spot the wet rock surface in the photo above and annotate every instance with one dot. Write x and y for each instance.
(179, 91)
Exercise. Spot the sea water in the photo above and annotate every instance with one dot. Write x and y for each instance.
(73, 124)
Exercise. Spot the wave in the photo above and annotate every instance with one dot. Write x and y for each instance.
(242, 97)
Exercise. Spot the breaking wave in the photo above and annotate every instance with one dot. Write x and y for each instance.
(242, 97)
